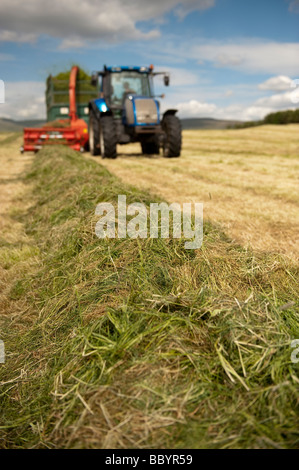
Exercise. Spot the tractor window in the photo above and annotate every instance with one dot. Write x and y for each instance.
(126, 83)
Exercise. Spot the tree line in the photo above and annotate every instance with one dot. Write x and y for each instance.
(280, 117)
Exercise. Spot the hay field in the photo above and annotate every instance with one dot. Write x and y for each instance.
(247, 179)
(135, 343)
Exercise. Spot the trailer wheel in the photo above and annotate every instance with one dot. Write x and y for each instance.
(108, 137)
(94, 135)
(172, 136)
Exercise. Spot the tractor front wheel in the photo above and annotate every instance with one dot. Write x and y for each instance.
(108, 137)
(94, 135)
(172, 136)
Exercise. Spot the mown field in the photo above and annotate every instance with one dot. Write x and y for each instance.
(248, 180)
(140, 343)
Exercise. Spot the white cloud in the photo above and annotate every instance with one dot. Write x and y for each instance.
(194, 108)
(244, 112)
(183, 10)
(12, 36)
(279, 101)
(79, 20)
(24, 100)
(253, 56)
(279, 83)
(226, 60)
(254, 112)
(72, 43)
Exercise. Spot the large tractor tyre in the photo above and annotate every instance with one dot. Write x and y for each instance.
(150, 146)
(172, 136)
(94, 135)
(108, 137)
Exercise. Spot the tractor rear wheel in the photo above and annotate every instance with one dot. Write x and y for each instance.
(94, 135)
(172, 136)
(150, 146)
(108, 137)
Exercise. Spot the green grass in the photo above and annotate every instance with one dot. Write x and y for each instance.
(141, 343)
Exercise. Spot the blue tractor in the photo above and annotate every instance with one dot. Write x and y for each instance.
(128, 111)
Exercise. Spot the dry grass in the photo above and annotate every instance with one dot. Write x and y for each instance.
(16, 251)
(140, 343)
(247, 179)
(12, 166)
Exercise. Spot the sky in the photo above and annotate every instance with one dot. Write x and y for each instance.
(228, 59)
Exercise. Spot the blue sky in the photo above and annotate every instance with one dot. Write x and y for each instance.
(227, 58)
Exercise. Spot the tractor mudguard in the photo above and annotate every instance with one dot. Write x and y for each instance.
(170, 112)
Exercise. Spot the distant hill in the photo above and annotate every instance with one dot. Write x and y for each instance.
(8, 125)
(207, 123)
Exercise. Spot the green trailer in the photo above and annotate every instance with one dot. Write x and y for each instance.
(57, 96)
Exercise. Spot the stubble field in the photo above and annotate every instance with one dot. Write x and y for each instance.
(248, 181)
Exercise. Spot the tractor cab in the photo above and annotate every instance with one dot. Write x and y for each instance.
(118, 81)
(119, 85)
(127, 102)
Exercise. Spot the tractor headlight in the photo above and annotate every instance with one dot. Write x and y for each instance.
(101, 105)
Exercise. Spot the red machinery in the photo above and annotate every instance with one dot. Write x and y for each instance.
(73, 131)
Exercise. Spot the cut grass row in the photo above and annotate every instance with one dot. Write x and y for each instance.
(140, 343)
